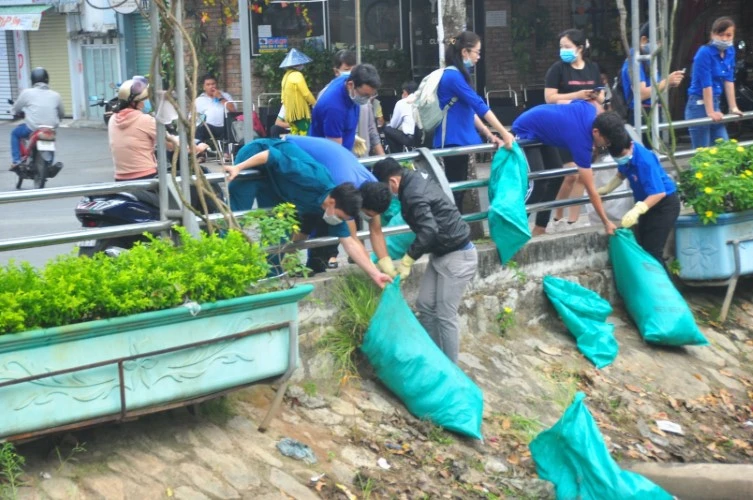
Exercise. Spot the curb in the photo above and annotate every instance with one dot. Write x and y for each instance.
(700, 481)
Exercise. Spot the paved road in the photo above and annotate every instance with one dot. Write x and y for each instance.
(86, 156)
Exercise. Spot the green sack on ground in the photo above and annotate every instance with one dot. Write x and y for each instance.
(508, 183)
(408, 362)
(657, 308)
(572, 455)
(584, 313)
(397, 244)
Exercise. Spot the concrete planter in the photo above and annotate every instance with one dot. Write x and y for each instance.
(702, 249)
(59, 378)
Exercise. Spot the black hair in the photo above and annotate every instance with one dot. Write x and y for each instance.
(347, 198)
(208, 76)
(365, 74)
(722, 24)
(579, 40)
(376, 196)
(410, 87)
(453, 52)
(612, 127)
(344, 56)
(644, 30)
(384, 169)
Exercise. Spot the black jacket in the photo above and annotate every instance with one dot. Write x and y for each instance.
(431, 215)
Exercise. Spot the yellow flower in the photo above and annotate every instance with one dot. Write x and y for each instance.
(743, 176)
(709, 214)
(708, 190)
(698, 150)
(718, 140)
(748, 173)
(508, 310)
(706, 164)
(699, 175)
(733, 141)
(280, 215)
(296, 228)
(713, 151)
(740, 149)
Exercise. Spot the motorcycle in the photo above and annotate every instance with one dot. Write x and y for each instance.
(37, 156)
(117, 209)
(109, 106)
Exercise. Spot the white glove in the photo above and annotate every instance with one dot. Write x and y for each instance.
(610, 186)
(631, 217)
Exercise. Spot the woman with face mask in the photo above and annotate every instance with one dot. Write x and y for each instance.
(464, 125)
(573, 77)
(657, 204)
(713, 74)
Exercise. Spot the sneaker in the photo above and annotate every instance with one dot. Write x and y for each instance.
(556, 226)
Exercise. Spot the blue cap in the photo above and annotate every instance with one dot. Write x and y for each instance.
(295, 58)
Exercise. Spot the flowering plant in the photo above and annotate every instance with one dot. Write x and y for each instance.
(719, 180)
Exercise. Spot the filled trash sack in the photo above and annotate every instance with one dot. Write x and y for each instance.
(411, 365)
(657, 308)
(584, 313)
(572, 455)
(508, 184)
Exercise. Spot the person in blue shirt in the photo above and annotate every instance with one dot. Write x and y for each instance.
(567, 126)
(293, 176)
(713, 73)
(673, 80)
(343, 166)
(335, 114)
(657, 204)
(463, 124)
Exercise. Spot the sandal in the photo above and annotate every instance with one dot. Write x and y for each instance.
(333, 264)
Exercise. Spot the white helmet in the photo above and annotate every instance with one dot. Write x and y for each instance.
(134, 90)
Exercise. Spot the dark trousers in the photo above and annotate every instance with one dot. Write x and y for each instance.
(396, 139)
(456, 170)
(203, 135)
(318, 258)
(543, 158)
(654, 226)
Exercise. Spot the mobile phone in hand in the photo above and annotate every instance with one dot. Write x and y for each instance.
(598, 89)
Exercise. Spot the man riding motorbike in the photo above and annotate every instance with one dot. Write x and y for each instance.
(40, 106)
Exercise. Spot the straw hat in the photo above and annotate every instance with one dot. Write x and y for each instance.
(295, 58)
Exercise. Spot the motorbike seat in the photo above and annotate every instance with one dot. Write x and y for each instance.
(148, 197)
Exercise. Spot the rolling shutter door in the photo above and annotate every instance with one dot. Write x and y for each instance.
(7, 74)
(48, 48)
(142, 45)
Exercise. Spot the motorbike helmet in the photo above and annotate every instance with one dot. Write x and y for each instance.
(134, 90)
(39, 75)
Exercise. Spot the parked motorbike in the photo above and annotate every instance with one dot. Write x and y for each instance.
(117, 209)
(37, 156)
(109, 106)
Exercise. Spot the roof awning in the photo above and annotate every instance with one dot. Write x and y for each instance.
(22, 17)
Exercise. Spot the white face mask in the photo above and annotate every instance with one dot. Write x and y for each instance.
(332, 219)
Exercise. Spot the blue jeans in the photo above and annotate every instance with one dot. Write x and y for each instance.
(20, 132)
(704, 135)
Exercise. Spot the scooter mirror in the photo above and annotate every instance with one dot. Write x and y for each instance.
(741, 45)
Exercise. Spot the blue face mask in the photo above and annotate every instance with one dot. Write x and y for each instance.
(147, 107)
(623, 160)
(467, 63)
(720, 44)
(568, 55)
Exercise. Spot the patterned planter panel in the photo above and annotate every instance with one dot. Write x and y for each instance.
(702, 250)
(153, 380)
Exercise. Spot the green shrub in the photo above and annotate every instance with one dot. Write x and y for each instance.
(149, 277)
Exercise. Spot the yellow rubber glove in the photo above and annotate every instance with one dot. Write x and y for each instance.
(359, 147)
(404, 267)
(610, 186)
(631, 217)
(387, 267)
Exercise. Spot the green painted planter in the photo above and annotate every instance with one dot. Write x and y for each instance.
(240, 341)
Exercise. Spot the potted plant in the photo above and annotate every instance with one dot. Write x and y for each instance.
(719, 187)
(86, 340)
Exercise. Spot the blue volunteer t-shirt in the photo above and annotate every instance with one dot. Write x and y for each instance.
(292, 176)
(335, 114)
(627, 87)
(342, 165)
(711, 70)
(646, 175)
(460, 128)
(566, 126)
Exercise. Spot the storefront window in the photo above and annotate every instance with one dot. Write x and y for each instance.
(284, 25)
(380, 24)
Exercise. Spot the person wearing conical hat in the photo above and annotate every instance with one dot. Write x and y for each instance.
(296, 96)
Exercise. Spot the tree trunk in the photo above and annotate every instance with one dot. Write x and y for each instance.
(453, 18)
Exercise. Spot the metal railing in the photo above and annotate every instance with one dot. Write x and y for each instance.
(157, 226)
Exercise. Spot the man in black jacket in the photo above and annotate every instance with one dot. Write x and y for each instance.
(445, 236)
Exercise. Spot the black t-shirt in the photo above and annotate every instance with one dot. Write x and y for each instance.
(566, 79)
